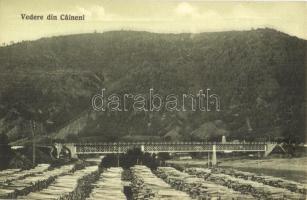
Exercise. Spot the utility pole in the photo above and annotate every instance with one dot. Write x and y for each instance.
(208, 160)
(33, 142)
(118, 151)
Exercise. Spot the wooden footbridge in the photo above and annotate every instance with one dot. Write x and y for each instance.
(76, 149)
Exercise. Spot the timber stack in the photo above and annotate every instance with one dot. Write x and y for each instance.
(258, 190)
(267, 180)
(6, 172)
(33, 183)
(20, 174)
(71, 186)
(145, 186)
(109, 186)
(198, 188)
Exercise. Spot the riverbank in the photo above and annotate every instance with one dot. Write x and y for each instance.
(288, 168)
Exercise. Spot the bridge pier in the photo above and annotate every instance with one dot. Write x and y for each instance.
(270, 147)
(58, 148)
(73, 150)
(71, 147)
(142, 148)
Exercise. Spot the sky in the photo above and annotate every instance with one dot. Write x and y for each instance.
(173, 16)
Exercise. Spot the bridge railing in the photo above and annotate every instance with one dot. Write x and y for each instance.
(165, 143)
(121, 147)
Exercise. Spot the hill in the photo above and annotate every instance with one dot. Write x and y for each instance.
(259, 75)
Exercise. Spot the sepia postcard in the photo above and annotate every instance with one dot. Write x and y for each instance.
(153, 100)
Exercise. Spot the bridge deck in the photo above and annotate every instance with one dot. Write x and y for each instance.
(92, 148)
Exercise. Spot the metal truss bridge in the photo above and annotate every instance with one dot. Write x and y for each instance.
(168, 147)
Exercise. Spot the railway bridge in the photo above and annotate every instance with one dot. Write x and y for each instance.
(76, 149)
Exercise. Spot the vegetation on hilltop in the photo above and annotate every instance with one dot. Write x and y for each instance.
(259, 75)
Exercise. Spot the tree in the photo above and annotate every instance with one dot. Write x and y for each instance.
(5, 151)
(72, 138)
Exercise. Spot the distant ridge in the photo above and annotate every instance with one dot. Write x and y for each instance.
(260, 75)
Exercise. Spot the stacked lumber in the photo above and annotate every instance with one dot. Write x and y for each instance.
(72, 186)
(258, 190)
(24, 173)
(197, 187)
(7, 193)
(32, 183)
(109, 186)
(267, 180)
(95, 160)
(8, 172)
(145, 185)
(199, 172)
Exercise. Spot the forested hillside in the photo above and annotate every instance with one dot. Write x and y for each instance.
(258, 74)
